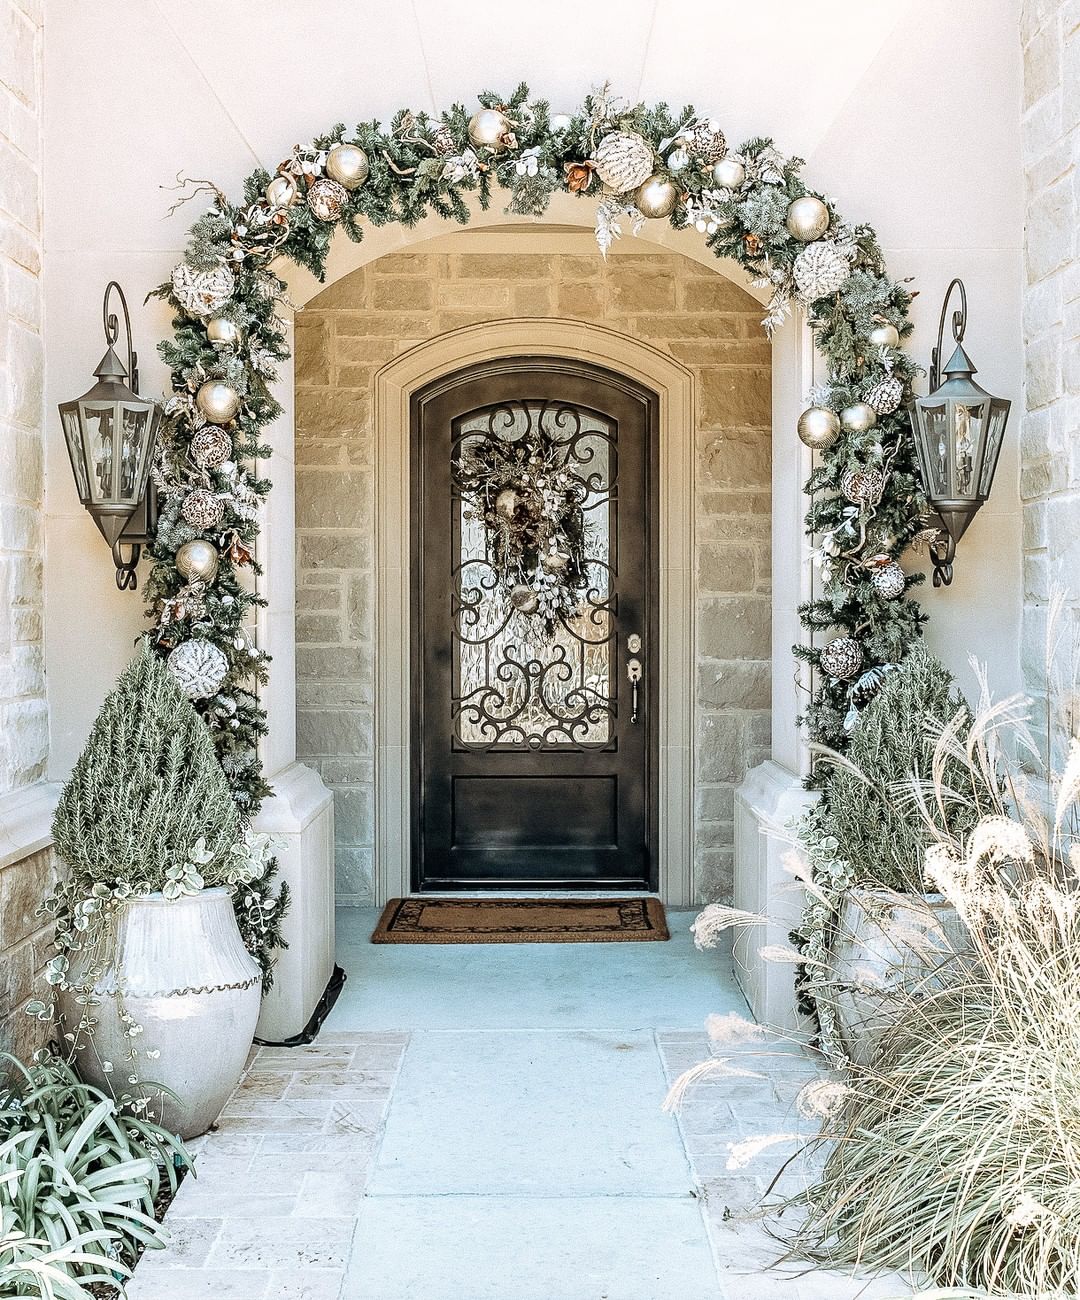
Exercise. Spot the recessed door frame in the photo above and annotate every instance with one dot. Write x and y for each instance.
(673, 385)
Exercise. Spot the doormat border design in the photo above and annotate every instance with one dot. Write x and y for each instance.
(414, 920)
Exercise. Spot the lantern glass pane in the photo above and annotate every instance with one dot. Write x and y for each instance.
(936, 439)
(999, 413)
(131, 445)
(100, 425)
(968, 434)
(70, 421)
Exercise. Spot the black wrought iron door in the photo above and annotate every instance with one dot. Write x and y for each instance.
(533, 720)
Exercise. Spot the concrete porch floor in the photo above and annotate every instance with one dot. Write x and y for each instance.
(484, 1123)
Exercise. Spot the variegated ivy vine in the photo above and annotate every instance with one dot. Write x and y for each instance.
(635, 163)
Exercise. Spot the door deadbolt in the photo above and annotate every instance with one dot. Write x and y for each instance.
(633, 643)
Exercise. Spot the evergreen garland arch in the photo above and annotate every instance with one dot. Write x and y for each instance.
(634, 163)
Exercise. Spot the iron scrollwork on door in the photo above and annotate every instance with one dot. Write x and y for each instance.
(535, 676)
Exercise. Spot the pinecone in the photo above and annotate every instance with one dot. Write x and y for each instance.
(706, 142)
(442, 140)
(886, 396)
(820, 270)
(624, 160)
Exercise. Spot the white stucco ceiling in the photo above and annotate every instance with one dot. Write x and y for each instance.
(213, 88)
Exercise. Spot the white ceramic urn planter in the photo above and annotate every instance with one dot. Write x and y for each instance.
(187, 979)
(892, 948)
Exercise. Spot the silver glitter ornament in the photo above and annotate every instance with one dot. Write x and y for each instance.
(202, 293)
(211, 447)
(859, 417)
(706, 142)
(218, 401)
(199, 668)
(885, 336)
(863, 487)
(807, 218)
(842, 657)
(491, 129)
(281, 192)
(197, 561)
(202, 509)
(818, 428)
(729, 173)
(886, 396)
(657, 198)
(820, 270)
(624, 160)
(888, 580)
(222, 332)
(348, 165)
(327, 198)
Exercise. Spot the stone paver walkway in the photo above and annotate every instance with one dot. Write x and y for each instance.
(506, 1143)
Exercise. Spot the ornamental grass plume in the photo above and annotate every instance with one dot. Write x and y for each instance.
(956, 1151)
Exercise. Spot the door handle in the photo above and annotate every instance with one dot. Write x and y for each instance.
(633, 673)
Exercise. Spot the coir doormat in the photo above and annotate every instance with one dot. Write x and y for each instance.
(521, 920)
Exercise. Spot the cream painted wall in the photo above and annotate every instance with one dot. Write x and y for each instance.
(212, 96)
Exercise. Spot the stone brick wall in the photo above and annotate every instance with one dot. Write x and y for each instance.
(363, 321)
(1050, 439)
(23, 951)
(23, 718)
(23, 721)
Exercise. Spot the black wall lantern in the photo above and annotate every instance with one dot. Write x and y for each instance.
(110, 433)
(959, 428)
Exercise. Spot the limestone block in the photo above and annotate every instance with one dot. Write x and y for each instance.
(734, 684)
(324, 412)
(23, 887)
(355, 875)
(333, 498)
(318, 629)
(1042, 63)
(735, 627)
(361, 595)
(641, 288)
(311, 351)
(21, 397)
(725, 568)
(354, 815)
(1050, 230)
(392, 294)
(333, 731)
(340, 550)
(736, 458)
(499, 266)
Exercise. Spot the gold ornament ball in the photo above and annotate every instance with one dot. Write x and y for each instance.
(859, 417)
(197, 561)
(222, 332)
(490, 129)
(807, 218)
(282, 192)
(818, 428)
(348, 165)
(728, 173)
(524, 599)
(657, 197)
(555, 562)
(218, 401)
(885, 336)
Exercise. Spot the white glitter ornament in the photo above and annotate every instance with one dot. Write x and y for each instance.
(327, 199)
(199, 668)
(863, 487)
(842, 657)
(211, 447)
(820, 270)
(888, 581)
(886, 396)
(202, 509)
(202, 293)
(706, 142)
(624, 160)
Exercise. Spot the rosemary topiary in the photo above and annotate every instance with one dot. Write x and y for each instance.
(147, 788)
(869, 807)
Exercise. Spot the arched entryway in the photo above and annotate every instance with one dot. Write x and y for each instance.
(651, 308)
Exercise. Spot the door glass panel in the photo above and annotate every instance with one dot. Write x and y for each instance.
(533, 657)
